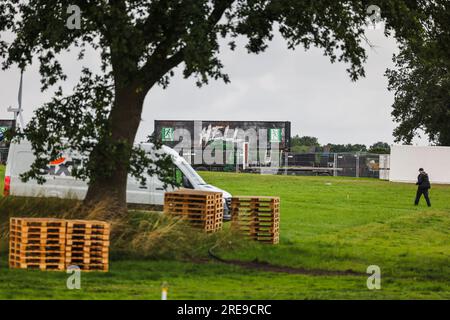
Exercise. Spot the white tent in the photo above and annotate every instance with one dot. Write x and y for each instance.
(405, 162)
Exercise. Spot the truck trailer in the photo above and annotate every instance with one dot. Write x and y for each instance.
(217, 145)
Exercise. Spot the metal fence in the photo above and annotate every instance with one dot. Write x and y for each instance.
(329, 164)
(337, 164)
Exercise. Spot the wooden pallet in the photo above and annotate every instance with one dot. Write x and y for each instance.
(91, 267)
(25, 236)
(88, 224)
(87, 245)
(36, 247)
(48, 260)
(38, 222)
(201, 209)
(84, 254)
(77, 243)
(256, 204)
(256, 218)
(271, 237)
(37, 243)
(54, 244)
(86, 231)
(37, 230)
(86, 261)
(87, 249)
(37, 266)
(87, 237)
(199, 194)
(36, 253)
(214, 227)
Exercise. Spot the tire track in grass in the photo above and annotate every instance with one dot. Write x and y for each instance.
(268, 267)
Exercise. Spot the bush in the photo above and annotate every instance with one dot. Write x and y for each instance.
(138, 234)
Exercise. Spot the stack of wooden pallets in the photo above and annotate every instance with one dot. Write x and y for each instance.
(257, 218)
(37, 243)
(56, 244)
(202, 209)
(87, 245)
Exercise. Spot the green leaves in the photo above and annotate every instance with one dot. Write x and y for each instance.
(7, 11)
(138, 39)
(156, 163)
(79, 125)
(73, 123)
(421, 80)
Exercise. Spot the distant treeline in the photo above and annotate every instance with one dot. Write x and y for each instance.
(311, 144)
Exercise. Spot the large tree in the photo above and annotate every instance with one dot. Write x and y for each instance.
(304, 144)
(346, 147)
(380, 148)
(142, 41)
(421, 80)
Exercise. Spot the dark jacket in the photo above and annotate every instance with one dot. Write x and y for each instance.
(423, 181)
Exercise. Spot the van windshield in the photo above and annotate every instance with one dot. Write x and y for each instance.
(191, 173)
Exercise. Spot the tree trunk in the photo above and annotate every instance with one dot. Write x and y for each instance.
(109, 181)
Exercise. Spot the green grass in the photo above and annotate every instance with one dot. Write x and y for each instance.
(326, 223)
(345, 223)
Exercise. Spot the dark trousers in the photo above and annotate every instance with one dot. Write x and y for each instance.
(423, 192)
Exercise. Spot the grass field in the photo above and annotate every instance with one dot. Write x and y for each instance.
(327, 224)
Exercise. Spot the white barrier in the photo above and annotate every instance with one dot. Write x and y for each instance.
(405, 162)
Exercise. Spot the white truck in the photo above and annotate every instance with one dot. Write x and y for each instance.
(60, 183)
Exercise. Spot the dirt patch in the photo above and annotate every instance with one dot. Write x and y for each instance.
(265, 266)
(268, 267)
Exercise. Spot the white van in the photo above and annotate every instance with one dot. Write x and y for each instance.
(60, 183)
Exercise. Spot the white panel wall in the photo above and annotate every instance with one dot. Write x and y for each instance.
(406, 161)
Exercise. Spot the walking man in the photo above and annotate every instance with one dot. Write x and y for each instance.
(423, 185)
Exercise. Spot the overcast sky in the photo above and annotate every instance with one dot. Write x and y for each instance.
(280, 84)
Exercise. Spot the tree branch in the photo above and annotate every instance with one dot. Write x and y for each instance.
(158, 65)
(218, 11)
